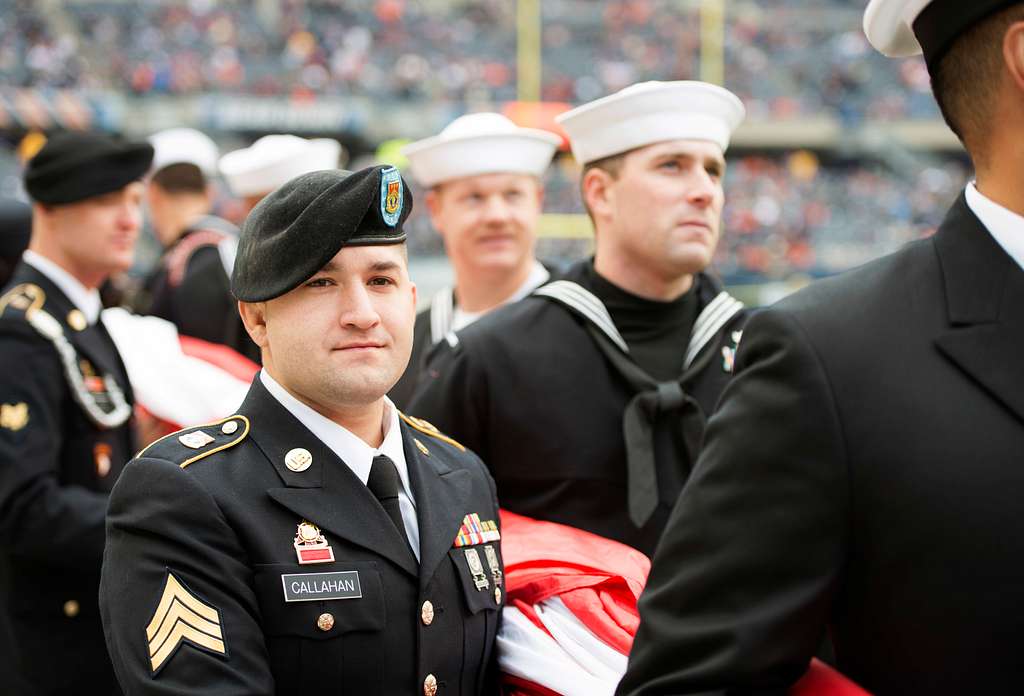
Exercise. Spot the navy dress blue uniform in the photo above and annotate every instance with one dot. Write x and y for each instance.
(546, 414)
(221, 521)
(64, 436)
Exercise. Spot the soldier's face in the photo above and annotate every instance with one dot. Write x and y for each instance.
(489, 221)
(666, 206)
(344, 336)
(96, 236)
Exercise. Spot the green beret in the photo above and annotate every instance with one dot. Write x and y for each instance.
(73, 166)
(293, 232)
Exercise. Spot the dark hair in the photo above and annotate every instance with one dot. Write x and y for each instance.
(966, 79)
(180, 178)
(611, 164)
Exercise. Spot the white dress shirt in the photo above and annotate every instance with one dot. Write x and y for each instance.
(88, 301)
(1005, 226)
(355, 453)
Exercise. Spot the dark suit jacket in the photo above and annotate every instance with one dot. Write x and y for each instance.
(224, 528)
(53, 495)
(863, 473)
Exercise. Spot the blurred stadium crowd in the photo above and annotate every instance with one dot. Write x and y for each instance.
(788, 211)
(459, 50)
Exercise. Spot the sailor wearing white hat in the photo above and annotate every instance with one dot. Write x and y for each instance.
(485, 199)
(189, 286)
(255, 171)
(612, 367)
(861, 476)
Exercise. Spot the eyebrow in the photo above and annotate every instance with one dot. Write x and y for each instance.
(706, 160)
(378, 266)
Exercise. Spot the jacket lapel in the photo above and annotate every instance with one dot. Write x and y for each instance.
(442, 494)
(328, 493)
(985, 304)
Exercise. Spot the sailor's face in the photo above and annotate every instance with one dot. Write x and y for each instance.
(489, 221)
(668, 200)
(344, 336)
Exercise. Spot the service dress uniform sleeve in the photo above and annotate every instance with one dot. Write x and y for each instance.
(176, 597)
(740, 587)
(41, 517)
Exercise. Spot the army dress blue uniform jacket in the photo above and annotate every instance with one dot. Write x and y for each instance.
(201, 589)
(65, 434)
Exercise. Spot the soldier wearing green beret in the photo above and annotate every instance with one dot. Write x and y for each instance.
(65, 408)
(318, 540)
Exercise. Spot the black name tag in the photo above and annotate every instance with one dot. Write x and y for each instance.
(310, 587)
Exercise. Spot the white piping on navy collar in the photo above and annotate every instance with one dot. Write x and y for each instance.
(709, 322)
(712, 318)
(442, 311)
(586, 303)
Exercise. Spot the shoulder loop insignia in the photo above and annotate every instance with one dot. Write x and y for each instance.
(181, 617)
(431, 430)
(26, 297)
(197, 437)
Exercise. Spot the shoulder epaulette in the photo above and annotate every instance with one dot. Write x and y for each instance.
(430, 429)
(25, 297)
(182, 446)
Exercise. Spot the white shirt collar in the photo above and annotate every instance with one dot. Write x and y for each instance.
(88, 301)
(350, 449)
(1005, 226)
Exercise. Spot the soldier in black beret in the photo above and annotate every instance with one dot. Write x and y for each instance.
(318, 541)
(65, 407)
(861, 478)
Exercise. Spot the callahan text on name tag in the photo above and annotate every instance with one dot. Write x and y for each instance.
(309, 587)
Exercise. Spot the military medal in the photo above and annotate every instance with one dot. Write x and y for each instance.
(477, 569)
(492, 561)
(310, 545)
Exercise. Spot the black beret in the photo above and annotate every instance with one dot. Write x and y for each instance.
(293, 232)
(73, 166)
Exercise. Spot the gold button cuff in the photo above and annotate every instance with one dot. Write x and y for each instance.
(71, 608)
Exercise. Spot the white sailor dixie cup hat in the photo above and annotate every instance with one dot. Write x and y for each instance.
(484, 143)
(899, 28)
(652, 112)
(184, 146)
(275, 159)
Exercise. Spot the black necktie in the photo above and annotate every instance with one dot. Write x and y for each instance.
(383, 483)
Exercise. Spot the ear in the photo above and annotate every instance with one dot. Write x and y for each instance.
(597, 192)
(1013, 54)
(254, 317)
(433, 201)
(540, 196)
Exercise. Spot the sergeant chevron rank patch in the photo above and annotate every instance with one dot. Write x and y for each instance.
(182, 617)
